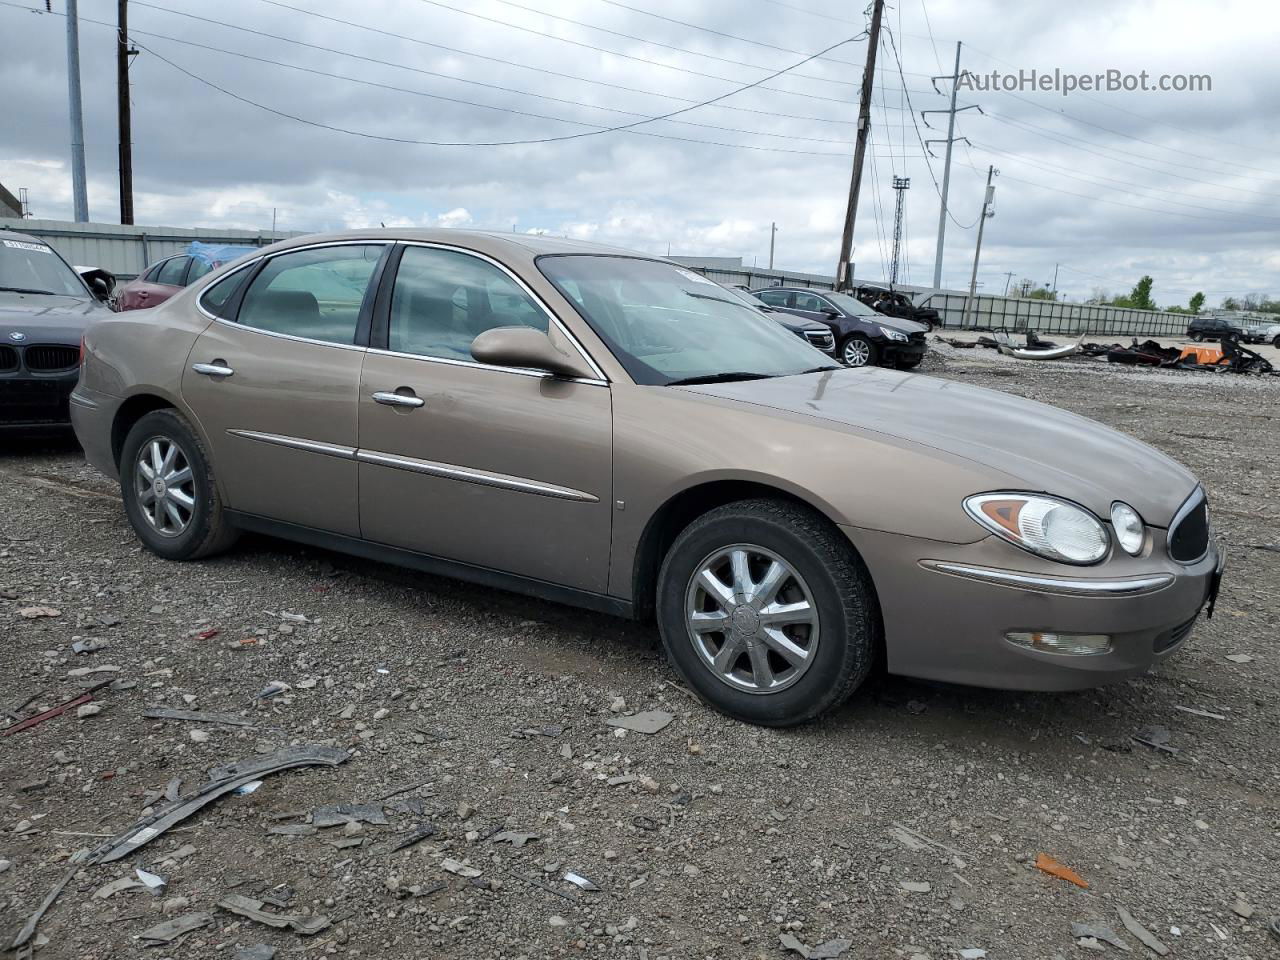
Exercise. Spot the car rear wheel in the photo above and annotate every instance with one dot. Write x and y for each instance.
(858, 351)
(169, 494)
(767, 612)
(1276, 343)
(1197, 336)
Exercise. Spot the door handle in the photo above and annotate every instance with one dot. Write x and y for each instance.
(216, 369)
(398, 400)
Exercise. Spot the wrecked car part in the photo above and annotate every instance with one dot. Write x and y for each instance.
(252, 909)
(340, 814)
(417, 835)
(580, 881)
(171, 930)
(1142, 933)
(1099, 931)
(85, 697)
(78, 859)
(1026, 353)
(648, 723)
(223, 780)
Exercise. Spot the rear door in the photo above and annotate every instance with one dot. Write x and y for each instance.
(156, 285)
(274, 383)
(506, 469)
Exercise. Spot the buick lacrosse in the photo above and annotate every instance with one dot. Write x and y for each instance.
(602, 428)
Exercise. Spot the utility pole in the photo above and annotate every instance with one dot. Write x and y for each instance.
(843, 278)
(78, 189)
(951, 112)
(1055, 280)
(977, 251)
(900, 186)
(773, 233)
(1008, 277)
(123, 111)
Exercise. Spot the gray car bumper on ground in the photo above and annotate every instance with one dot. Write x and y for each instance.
(948, 607)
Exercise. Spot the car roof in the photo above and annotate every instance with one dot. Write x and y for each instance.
(481, 240)
(8, 234)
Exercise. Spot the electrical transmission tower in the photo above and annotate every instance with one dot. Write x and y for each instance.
(900, 185)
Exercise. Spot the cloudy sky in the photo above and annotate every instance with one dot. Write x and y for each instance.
(1110, 185)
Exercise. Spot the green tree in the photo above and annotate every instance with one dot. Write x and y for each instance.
(1042, 293)
(1197, 302)
(1230, 303)
(1140, 297)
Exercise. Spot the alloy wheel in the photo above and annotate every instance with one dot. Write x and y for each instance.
(857, 352)
(752, 619)
(164, 486)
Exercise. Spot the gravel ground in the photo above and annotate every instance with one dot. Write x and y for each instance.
(907, 824)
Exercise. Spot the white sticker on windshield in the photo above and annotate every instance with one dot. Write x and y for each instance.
(698, 278)
(22, 245)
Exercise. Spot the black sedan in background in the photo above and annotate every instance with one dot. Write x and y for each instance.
(45, 306)
(863, 337)
(817, 334)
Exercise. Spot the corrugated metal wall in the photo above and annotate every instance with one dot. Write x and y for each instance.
(127, 251)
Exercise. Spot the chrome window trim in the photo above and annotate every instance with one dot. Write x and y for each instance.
(475, 364)
(470, 475)
(209, 286)
(1070, 586)
(1197, 497)
(529, 291)
(298, 443)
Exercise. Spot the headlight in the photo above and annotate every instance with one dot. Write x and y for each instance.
(893, 334)
(1130, 531)
(1048, 527)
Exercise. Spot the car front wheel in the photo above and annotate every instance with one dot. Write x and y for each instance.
(1197, 336)
(858, 351)
(169, 494)
(767, 612)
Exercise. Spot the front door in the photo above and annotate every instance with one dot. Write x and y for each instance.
(275, 387)
(494, 467)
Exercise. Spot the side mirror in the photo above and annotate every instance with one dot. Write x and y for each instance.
(831, 312)
(100, 282)
(527, 348)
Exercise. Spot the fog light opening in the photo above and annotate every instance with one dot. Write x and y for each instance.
(1067, 644)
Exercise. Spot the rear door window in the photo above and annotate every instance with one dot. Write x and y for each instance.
(315, 294)
(172, 272)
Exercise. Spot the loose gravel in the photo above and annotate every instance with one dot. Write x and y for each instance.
(906, 825)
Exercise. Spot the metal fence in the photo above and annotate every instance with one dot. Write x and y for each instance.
(128, 250)
(989, 312)
(1050, 316)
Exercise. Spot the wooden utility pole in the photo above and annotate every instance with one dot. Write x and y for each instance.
(987, 199)
(123, 113)
(843, 278)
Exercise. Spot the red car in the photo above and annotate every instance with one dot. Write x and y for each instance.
(160, 281)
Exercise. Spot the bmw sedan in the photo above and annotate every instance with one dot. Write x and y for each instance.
(611, 430)
(45, 306)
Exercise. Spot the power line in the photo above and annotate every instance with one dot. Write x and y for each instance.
(627, 127)
(430, 73)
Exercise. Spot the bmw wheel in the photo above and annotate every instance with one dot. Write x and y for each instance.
(169, 493)
(767, 612)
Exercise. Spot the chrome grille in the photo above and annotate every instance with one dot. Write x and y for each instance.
(823, 341)
(49, 357)
(1189, 532)
(8, 359)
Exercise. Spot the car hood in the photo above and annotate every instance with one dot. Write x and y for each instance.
(1048, 449)
(46, 318)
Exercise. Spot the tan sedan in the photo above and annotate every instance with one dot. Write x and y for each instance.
(610, 430)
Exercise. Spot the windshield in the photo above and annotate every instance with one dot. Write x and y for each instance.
(34, 268)
(668, 325)
(850, 305)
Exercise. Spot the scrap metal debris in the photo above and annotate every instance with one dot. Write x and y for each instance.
(416, 835)
(580, 881)
(252, 909)
(1142, 933)
(1036, 349)
(259, 951)
(1099, 931)
(1157, 738)
(823, 951)
(1047, 864)
(648, 723)
(117, 886)
(340, 814)
(513, 837)
(171, 930)
(222, 780)
(196, 716)
(77, 860)
(80, 700)
(459, 868)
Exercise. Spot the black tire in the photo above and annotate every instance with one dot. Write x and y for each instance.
(910, 364)
(207, 532)
(872, 351)
(1197, 336)
(1276, 343)
(842, 594)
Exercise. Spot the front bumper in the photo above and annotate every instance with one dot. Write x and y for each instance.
(33, 401)
(948, 607)
(895, 351)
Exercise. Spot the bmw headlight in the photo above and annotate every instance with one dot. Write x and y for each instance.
(1129, 528)
(1046, 526)
(894, 334)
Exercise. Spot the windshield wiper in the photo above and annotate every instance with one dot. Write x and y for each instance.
(720, 378)
(27, 290)
(818, 369)
(703, 296)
